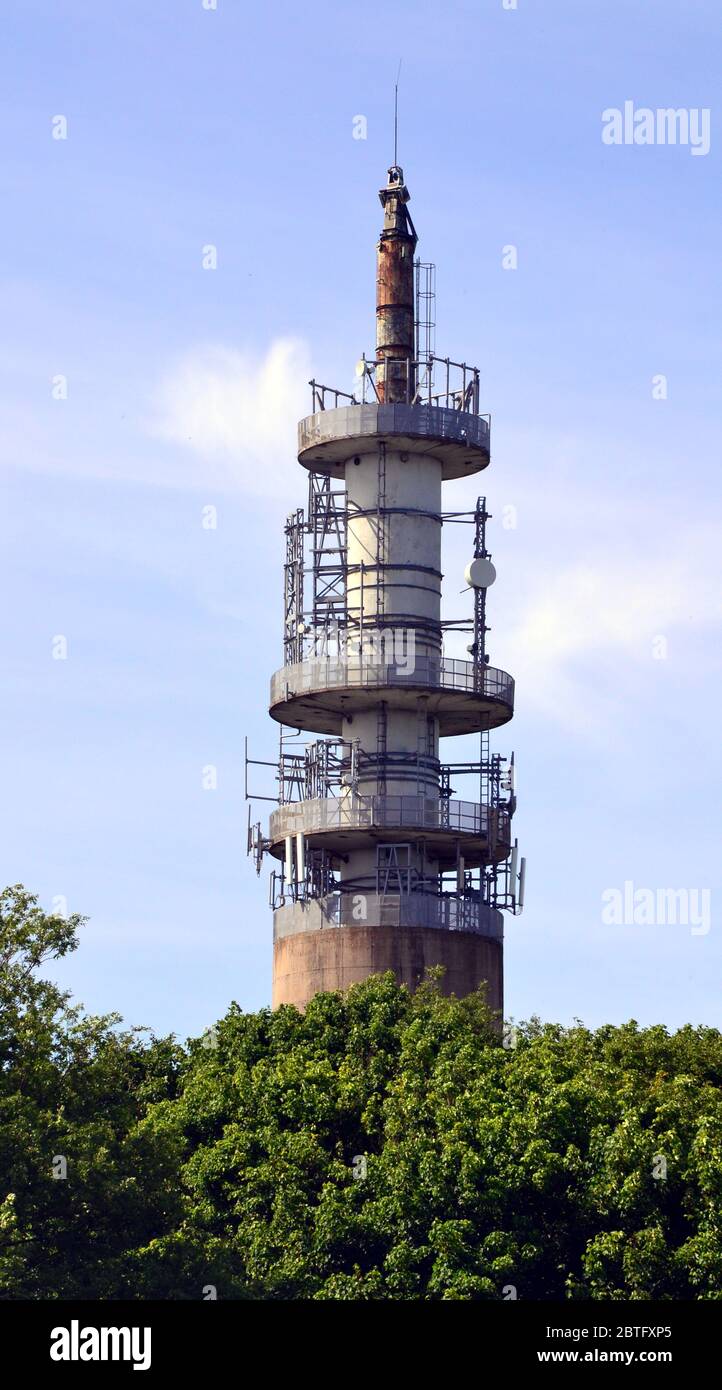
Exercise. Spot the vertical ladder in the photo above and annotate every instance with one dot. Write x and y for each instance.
(424, 325)
(293, 589)
(381, 732)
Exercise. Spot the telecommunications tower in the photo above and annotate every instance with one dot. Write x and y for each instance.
(379, 865)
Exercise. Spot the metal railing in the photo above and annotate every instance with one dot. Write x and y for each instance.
(356, 812)
(336, 672)
(319, 394)
(439, 912)
(461, 389)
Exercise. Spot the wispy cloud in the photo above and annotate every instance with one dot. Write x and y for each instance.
(590, 613)
(216, 420)
(237, 415)
(589, 592)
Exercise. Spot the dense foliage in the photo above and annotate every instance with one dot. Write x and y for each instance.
(381, 1146)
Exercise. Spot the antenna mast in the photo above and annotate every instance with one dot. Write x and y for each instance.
(396, 115)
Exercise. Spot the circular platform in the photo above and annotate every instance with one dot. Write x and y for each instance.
(341, 824)
(318, 694)
(458, 439)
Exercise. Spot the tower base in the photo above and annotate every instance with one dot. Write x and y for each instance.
(313, 962)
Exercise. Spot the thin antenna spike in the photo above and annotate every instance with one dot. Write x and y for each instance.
(396, 116)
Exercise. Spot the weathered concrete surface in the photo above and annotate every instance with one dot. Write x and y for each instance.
(458, 439)
(310, 962)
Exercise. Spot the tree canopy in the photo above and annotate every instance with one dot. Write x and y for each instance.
(382, 1145)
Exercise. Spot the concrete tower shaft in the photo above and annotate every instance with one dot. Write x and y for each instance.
(382, 868)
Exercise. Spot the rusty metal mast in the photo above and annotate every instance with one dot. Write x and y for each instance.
(395, 293)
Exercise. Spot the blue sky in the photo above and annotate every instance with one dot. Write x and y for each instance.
(234, 127)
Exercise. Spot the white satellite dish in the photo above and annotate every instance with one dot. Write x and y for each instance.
(480, 573)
